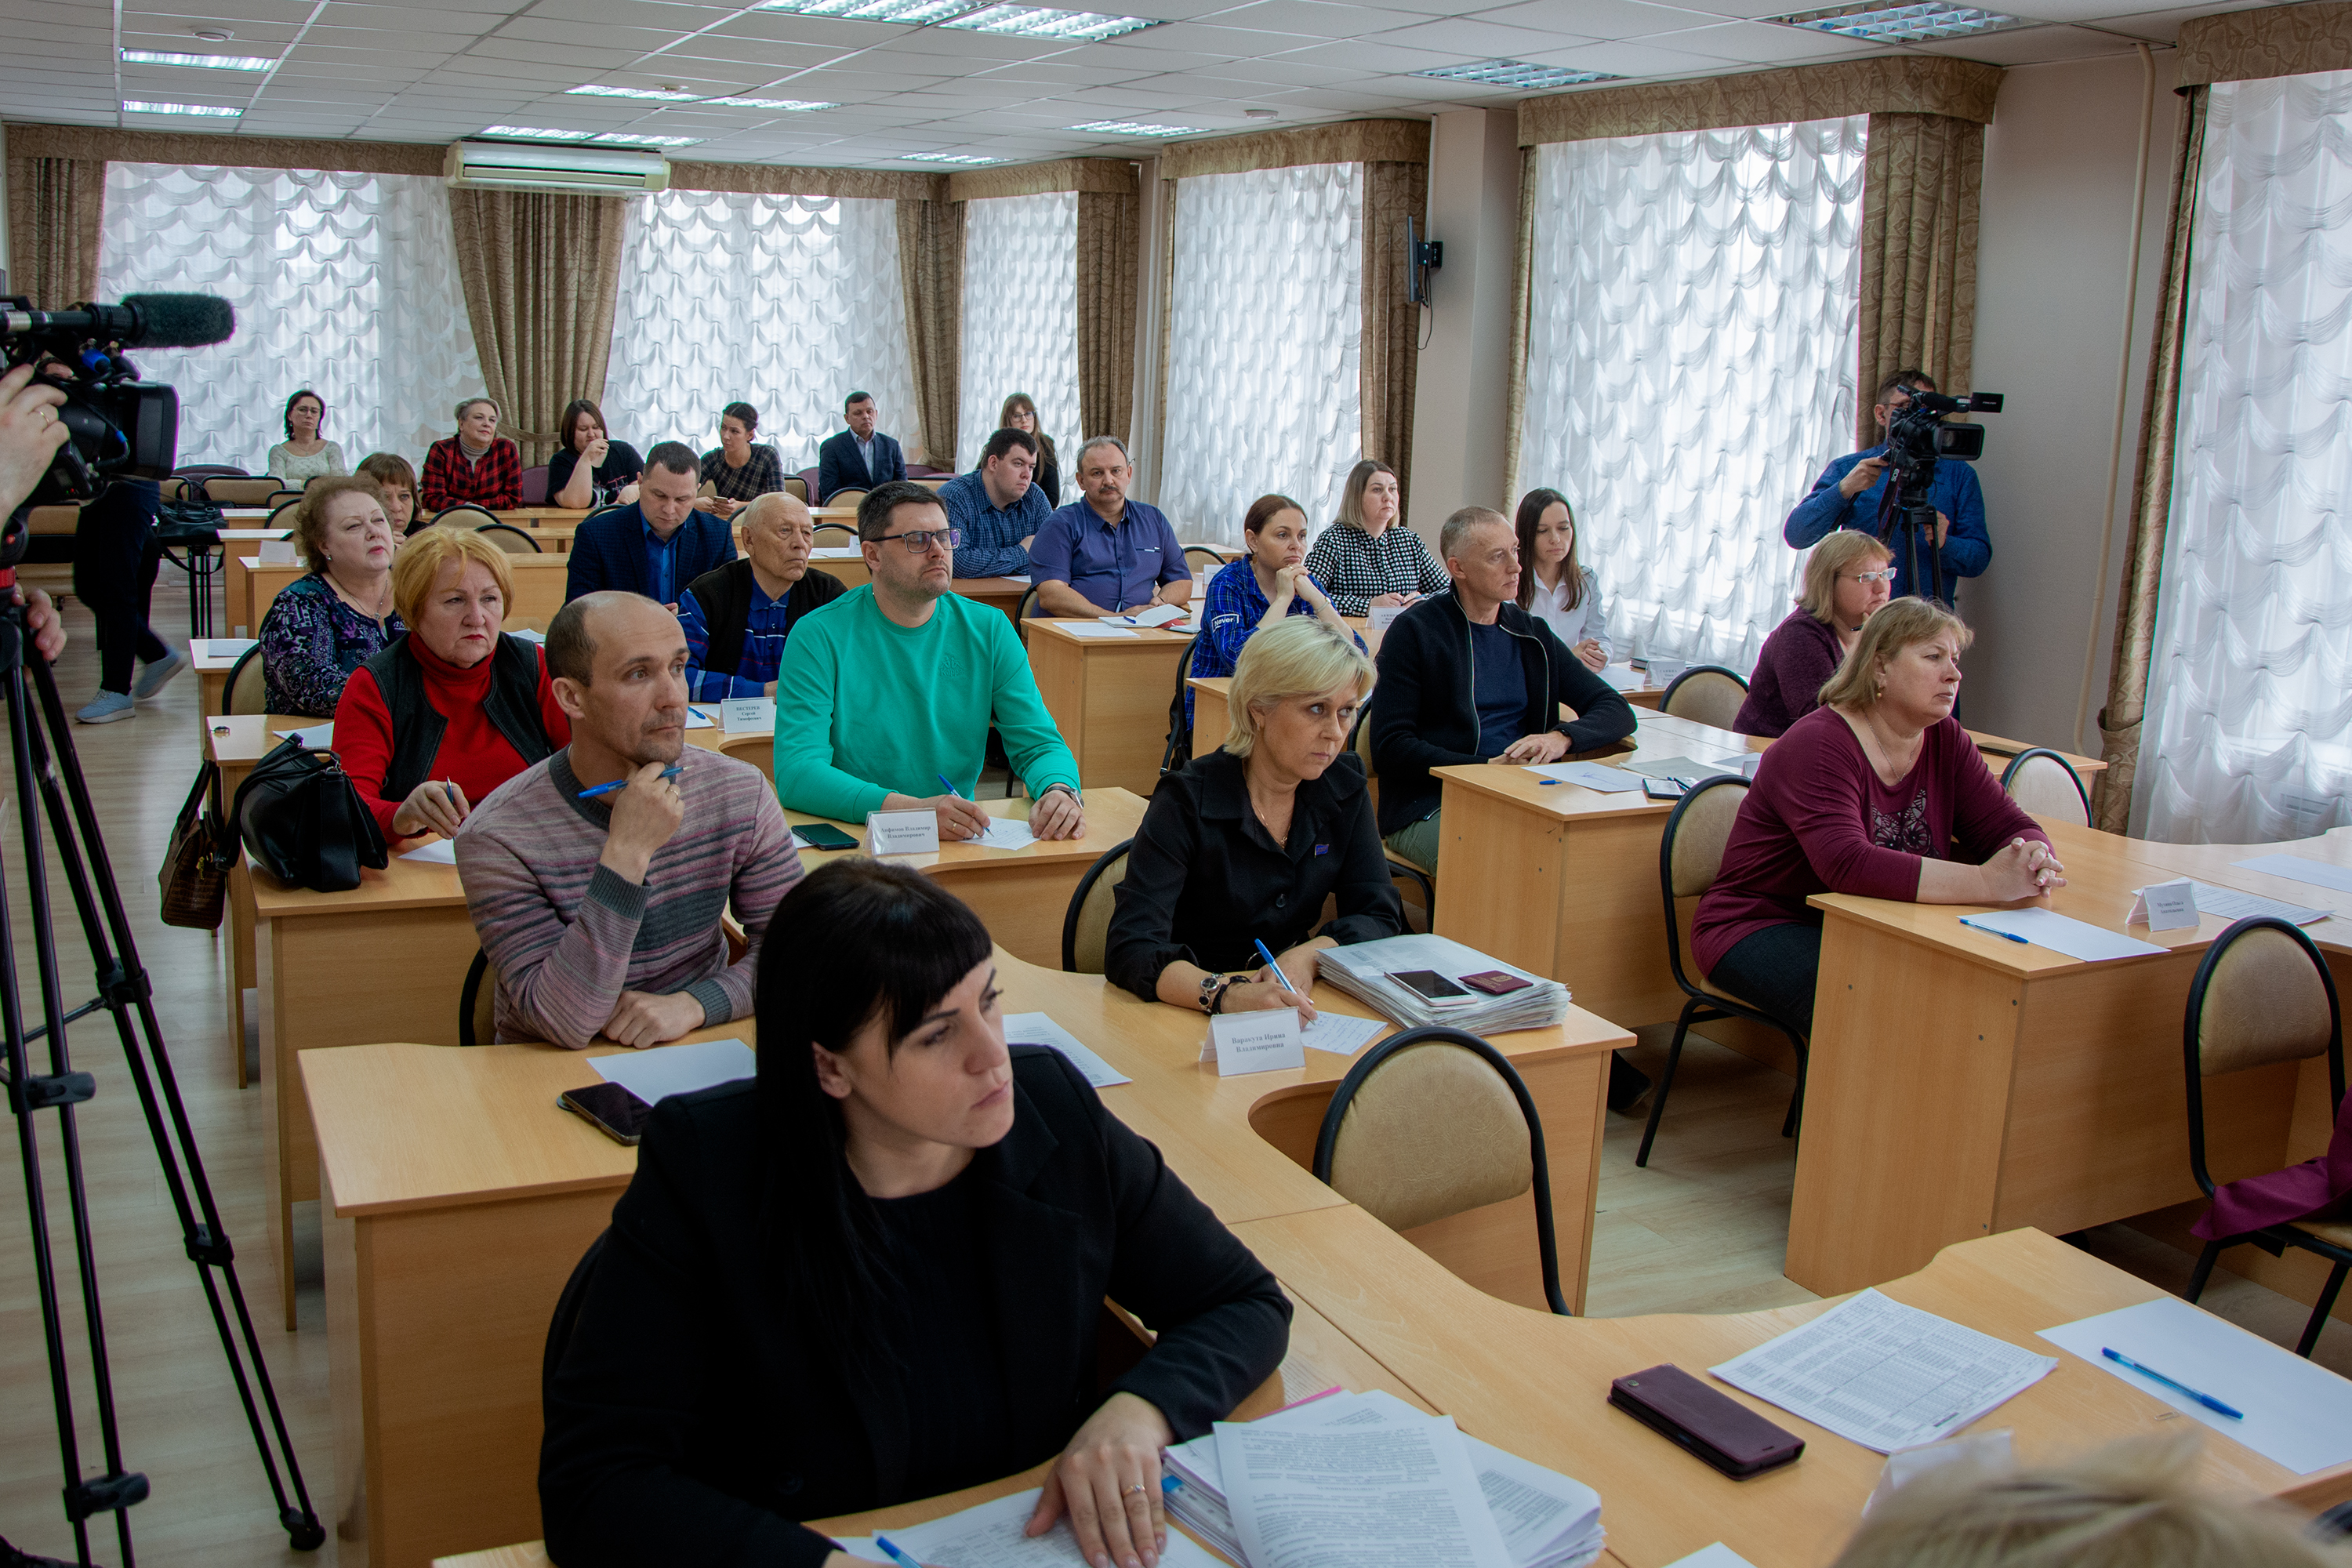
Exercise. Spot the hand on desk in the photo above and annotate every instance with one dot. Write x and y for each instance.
(959, 818)
(1107, 1481)
(1392, 601)
(642, 1018)
(1059, 814)
(1548, 746)
(2024, 868)
(1261, 993)
(433, 806)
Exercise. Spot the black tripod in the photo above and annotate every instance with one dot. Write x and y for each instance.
(1908, 526)
(46, 764)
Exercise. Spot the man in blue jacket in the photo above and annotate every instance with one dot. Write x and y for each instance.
(657, 546)
(860, 458)
(1851, 489)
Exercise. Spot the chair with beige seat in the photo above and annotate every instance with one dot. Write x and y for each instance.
(1706, 694)
(243, 692)
(1085, 925)
(1433, 1123)
(1690, 858)
(2046, 785)
(2262, 996)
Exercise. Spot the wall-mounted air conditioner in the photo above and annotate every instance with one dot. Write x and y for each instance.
(530, 167)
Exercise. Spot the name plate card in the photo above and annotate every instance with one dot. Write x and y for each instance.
(1380, 617)
(902, 833)
(2167, 906)
(1254, 1042)
(278, 553)
(740, 715)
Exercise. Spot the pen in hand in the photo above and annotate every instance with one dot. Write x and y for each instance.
(671, 772)
(1263, 952)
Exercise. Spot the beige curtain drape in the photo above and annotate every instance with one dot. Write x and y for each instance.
(1523, 261)
(1922, 179)
(541, 274)
(1391, 351)
(1110, 230)
(930, 274)
(55, 205)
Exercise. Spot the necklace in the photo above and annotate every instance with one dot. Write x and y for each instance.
(382, 597)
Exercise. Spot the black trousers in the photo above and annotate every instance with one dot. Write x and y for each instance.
(115, 561)
(1775, 968)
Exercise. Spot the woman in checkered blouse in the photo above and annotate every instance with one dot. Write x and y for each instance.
(1364, 559)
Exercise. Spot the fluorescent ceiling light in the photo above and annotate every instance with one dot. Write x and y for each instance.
(1041, 22)
(534, 133)
(1881, 24)
(950, 158)
(633, 139)
(661, 95)
(209, 62)
(914, 12)
(140, 106)
(1137, 128)
(787, 103)
(1515, 73)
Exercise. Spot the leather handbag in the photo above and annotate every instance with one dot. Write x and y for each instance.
(194, 879)
(303, 818)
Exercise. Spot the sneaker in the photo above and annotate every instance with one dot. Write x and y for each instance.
(108, 707)
(154, 678)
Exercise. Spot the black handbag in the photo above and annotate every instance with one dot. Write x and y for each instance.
(303, 818)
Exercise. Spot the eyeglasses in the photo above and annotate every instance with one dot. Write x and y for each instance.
(921, 541)
(1885, 575)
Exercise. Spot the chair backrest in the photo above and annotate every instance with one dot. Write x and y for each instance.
(477, 1003)
(510, 539)
(277, 518)
(1178, 750)
(1690, 854)
(465, 514)
(796, 488)
(566, 1317)
(1216, 559)
(1023, 611)
(1706, 694)
(760, 750)
(1433, 1122)
(534, 485)
(2046, 785)
(1418, 880)
(1086, 926)
(595, 512)
(243, 692)
(849, 528)
(1361, 741)
(243, 490)
(2262, 994)
(845, 497)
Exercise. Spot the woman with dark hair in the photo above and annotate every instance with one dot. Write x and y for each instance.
(397, 480)
(304, 456)
(1262, 589)
(1020, 412)
(1555, 586)
(737, 472)
(590, 468)
(875, 1271)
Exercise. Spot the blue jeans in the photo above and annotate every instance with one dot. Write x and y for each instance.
(1774, 969)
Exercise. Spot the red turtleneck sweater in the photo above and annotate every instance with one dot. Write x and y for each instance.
(473, 753)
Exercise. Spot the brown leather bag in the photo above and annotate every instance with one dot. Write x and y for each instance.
(194, 879)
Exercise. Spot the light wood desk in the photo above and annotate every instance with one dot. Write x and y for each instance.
(235, 592)
(539, 583)
(234, 742)
(212, 673)
(1108, 697)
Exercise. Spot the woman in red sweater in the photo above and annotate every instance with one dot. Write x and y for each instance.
(455, 709)
(1877, 792)
(1847, 579)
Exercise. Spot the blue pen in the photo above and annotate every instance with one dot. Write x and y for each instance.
(2004, 935)
(670, 772)
(900, 1558)
(698, 713)
(950, 785)
(1169, 1485)
(2207, 1400)
(1270, 963)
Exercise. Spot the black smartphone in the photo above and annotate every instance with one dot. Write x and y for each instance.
(1665, 789)
(820, 836)
(614, 1111)
(1428, 983)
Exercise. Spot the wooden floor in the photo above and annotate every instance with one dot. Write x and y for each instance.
(1702, 1229)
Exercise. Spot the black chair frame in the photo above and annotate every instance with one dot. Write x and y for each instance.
(469, 996)
(1702, 1006)
(1178, 750)
(1672, 686)
(849, 528)
(201, 545)
(1078, 902)
(1327, 1138)
(1219, 556)
(468, 506)
(2017, 762)
(523, 534)
(2274, 1240)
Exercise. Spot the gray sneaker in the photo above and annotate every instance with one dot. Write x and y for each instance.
(108, 707)
(154, 677)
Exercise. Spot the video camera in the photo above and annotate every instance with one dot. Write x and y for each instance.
(122, 427)
(1917, 436)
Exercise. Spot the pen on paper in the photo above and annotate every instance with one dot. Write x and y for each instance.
(2004, 935)
(592, 793)
(894, 1554)
(2207, 1400)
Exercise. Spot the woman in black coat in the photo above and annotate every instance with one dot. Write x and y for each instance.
(872, 1274)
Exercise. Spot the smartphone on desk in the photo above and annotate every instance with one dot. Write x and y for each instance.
(612, 1109)
(1665, 789)
(1430, 986)
(819, 836)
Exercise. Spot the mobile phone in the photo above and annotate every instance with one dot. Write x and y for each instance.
(613, 1110)
(819, 836)
(1711, 1427)
(1430, 984)
(1496, 982)
(1665, 789)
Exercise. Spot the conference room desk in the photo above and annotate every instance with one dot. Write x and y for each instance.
(539, 585)
(1997, 750)
(1108, 697)
(234, 743)
(213, 671)
(459, 1198)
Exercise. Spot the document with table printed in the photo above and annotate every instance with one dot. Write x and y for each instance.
(1886, 1375)
(1591, 776)
(2229, 904)
(990, 1536)
(1039, 1029)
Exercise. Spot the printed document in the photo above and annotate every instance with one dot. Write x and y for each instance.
(1357, 1497)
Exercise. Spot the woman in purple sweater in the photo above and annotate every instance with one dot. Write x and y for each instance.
(1847, 578)
(1877, 792)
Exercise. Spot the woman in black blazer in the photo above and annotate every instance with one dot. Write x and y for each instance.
(1245, 844)
(872, 1274)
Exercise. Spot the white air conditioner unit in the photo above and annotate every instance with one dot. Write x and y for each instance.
(533, 167)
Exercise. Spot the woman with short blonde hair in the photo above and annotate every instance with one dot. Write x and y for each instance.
(1242, 846)
(1365, 560)
(1847, 578)
(322, 627)
(423, 559)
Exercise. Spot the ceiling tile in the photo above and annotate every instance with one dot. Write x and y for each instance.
(1315, 18)
(1367, 57)
(1759, 43)
(1631, 59)
(2031, 46)
(1600, 18)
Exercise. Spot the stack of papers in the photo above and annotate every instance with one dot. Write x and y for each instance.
(220, 647)
(1691, 767)
(1299, 1485)
(1364, 971)
(991, 1536)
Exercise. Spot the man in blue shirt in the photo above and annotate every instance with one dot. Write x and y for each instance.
(657, 546)
(997, 507)
(1851, 488)
(736, 619)
(1106, 554)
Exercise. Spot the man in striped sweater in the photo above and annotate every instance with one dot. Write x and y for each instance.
(600, 910)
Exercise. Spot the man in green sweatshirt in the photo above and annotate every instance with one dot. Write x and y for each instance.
(890, 689)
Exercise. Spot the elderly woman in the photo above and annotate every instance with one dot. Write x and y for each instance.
(1877, 792)
(1847, 579)
(1248, 842)
(1364, 559)
(323, 627)
(304, 456)
(590, 468)
(737, 472)
(455, 709)
(1557, 587)
(397, 480)
(476, 465)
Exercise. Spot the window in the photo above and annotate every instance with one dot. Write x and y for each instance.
(1020, 317)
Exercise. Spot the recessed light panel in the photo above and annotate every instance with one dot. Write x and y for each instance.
(1879, 23)
(793, 104)
(533, 133)
(950, 158)
(1516, 74)
(660, 95)
(913, 12)
(208, 62)
(635, 139)
(1137, 128)
(1041, 22)
(210, 110)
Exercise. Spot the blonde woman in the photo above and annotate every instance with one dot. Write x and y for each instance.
(1847, 579)
(1367, 558)
(1877, 792)
(1247, 843)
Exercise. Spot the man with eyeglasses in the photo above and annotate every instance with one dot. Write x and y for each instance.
(1851, 488)
(888, 691)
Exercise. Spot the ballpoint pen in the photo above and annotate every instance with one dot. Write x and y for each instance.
(952, 791)
(670, 772)
(894, 1554)
(2004, 935)
(2207, 1400)
(1270, 963)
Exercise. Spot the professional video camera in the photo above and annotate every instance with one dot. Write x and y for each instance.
(1916, 439)
(122, 427)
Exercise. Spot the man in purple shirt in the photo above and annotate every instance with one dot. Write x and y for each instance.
(1107, 554)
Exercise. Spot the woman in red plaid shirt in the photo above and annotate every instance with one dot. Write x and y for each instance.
(476, 465)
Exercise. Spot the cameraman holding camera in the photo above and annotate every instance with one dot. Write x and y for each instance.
(1851, 489)
(30, 434)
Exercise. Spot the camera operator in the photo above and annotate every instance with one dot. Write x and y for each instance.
(30, 435)
(1850, 490)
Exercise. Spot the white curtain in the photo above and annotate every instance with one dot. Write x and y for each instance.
(343, 283)
(2249, 731)
(1690, 366)
(788, 303)
(1020, 317)
(1266, 331)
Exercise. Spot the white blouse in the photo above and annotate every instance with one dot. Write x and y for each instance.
(291, 468)
(1550, 605)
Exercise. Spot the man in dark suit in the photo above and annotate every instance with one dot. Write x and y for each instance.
(858, 458)
(659, 545)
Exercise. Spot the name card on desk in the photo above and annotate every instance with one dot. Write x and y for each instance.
(277, 552)
(1243, 1043)
(1380, 617)
(2167, 906)
(739, 715)
(902, 833)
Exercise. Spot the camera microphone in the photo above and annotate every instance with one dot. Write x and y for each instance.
(142, 321)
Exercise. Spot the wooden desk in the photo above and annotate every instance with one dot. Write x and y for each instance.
(1110, 697)
(843, 563)
(539, 583)
(1997, 751)
(234, 742)
(212, 675)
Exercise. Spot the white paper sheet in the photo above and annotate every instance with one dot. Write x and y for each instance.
(221, 648)
(700, 718)
(1342, 1033)
(1157, 616)
(2296, 868)
(1039, 1029)
(2229, 904)
(2076, 939)
(440, 852)
(1591, 776)
(1716, 1556)
(1623, 677)
(1886, 1375)
(1096, 629)
(1684, 767)
(2297, 1414)
(1341, 1495)
(661, 1070)
(989, 1536)
(1006, 833)
(316, 737)
(528, 636)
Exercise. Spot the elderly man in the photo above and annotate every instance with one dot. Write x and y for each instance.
(657, 546)
(736, 619)
(859, 458)
(997, 507)
(1106, 554)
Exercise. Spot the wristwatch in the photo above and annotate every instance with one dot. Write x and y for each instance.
(1067, 790)
(1212, 992)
